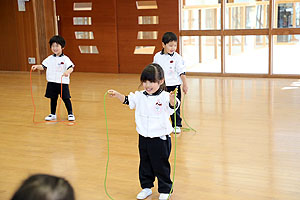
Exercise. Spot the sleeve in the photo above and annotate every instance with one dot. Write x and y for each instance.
(68, 63)
(170, 108)
(155, 60)
(180, 66)
(132, 98)
(126, 101)
(45, 63)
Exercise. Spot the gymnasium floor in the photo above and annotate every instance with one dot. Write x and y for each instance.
(247, 145)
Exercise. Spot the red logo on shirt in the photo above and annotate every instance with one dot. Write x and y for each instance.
(62, 63)
(171, 61)
(158, 103)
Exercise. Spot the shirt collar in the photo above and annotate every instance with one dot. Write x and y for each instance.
(61, 55)
(162, 53)
(154, 94)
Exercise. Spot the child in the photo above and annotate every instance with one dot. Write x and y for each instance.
(46, 187)
(173, 66)
(153, 107)
(57, 65)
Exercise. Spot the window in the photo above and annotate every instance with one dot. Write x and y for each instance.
(247, 14)
(287, 15)
(84, 35)
(202, 54)
(82, 21)
(201, 15)
(88, 49)
(144, 49)
(240, 44)
(147, 35)
(246, 54)
(147, 19)
(84, 6)
(285, 54)
(146, 5)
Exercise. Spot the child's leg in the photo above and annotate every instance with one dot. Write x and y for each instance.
(53, 103)
(159, 152)
(66, 98)
(68, 105)
(178, 118)
(146, 174)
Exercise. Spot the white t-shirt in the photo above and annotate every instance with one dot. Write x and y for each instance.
(56, 66)
(173, 66)
(152, 113)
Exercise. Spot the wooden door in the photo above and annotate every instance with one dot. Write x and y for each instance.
(141, 25)
(89, 28)
(126, 33)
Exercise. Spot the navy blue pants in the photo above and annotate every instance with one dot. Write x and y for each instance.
(154, 162)
(52, 92)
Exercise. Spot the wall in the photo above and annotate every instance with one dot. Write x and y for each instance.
(24, 34)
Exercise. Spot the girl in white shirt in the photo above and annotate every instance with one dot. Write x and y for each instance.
(153, 107)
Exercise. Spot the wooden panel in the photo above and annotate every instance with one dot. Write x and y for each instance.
(17, 38)
(104, 30)
(49, 22)
(8, 35)
(128, 28)
(40, 29)
(26, 36)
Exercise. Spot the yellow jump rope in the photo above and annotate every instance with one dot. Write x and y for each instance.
(175, 148)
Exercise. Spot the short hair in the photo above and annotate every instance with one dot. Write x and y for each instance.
(59, 40)
(44, 187)
(153, 73)
(169, 37)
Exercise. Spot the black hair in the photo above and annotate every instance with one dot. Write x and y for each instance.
(153, 73)
(44, 187)
(169, 37)
(59, 40)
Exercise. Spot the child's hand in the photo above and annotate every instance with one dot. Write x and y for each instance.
(172, 98)
(66, 74)
(185, 88)
(34, 67)
(113, 93)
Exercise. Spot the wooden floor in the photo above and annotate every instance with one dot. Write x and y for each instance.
(247, 146)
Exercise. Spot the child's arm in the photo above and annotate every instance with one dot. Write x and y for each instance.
(68, 72)
(184, 83)
(39, 67)
(172, 98)
(116, 94)
(172, 103)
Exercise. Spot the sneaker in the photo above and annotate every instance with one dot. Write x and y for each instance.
(178, 130)
(164, 196)
(144, 193)
(50, 117)
(71, 117)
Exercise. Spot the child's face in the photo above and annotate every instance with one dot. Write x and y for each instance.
(151, 87)
(170, 47)
(56, 49)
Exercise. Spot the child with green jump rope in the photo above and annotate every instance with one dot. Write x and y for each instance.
(174, 68)
(153, 107)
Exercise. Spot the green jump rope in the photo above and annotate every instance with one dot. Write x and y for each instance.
(175, 149)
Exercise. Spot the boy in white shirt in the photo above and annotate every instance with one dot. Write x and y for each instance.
(59, 67)
(174, 69)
